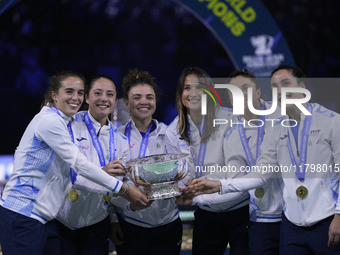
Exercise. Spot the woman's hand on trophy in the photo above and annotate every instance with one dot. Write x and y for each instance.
(184, 198)
(116, 233)
(139, 182)
(203, 186)
(115, 168)
(135, 195)
(135, 206)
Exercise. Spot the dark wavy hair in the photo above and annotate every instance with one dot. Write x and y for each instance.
(96, 78)
(294, 70)
(135, 78)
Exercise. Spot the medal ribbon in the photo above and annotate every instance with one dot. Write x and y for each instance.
(300, 173)
(96, 142)
(73, 174)
(202, 150)
(144, 144)
(259, 140)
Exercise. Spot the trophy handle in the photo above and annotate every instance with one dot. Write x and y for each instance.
(122, 158)
(192, 148)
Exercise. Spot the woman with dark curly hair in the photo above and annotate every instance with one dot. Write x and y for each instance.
(41, 178)
(156, 228)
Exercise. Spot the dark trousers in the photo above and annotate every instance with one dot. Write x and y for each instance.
(297, 240)
(264, 238)
(166, 239)
(213, 231)
(89, 240)
(22, 235)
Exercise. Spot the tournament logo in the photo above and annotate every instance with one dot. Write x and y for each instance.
(264, 61)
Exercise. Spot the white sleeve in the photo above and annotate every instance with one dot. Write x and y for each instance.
(335, 144)
(53, 131)
(120, 201)
(259, 177)
(210, 199)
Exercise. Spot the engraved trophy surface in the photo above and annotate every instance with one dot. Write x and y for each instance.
(160, 173)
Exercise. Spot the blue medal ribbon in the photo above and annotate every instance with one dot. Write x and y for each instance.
(300, 173)
(260, 134)
(202, 150)
(97, 145)
(96, 142)
(144, 144)
(73, 174)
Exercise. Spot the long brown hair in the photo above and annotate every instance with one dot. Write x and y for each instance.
(55, 84)
(182, 125)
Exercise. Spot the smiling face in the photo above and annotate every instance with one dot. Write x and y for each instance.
(283, 78)
(244, 83)
(70, 96)
(101, 99)
(141, 102)
(191, 96)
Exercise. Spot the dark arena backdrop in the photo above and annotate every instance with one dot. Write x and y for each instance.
(41, 37)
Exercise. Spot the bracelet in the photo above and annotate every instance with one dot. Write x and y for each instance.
(220, 185)
(123, 190)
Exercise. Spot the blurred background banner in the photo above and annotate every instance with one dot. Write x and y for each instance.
(41, 37)
(247, 32)
(4, 4)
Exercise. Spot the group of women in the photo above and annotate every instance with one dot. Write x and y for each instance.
(69, 191)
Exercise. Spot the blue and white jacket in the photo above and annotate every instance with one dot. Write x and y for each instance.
(323, 155)
(160, 212)
(41, 172)
(213, 161)
(90, 207)
(269, 207)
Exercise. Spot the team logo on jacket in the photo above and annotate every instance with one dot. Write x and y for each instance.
(81, 139)
(158, 146)
(161, 136)
(283, 137)
(314, 132)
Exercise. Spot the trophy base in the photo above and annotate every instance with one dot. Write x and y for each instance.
(162, 190)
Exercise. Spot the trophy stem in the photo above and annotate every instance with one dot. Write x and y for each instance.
(162, 190)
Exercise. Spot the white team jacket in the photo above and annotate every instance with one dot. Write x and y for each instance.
(160, 212)
(323, 151)
(269, 207)
(214, 157)
(90, 207)
(41, 172)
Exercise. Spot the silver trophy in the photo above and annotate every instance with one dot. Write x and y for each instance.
(159, 174)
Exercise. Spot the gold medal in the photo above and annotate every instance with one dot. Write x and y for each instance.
(73, 195)
(106, 198)
(259, 192)
(302, 191)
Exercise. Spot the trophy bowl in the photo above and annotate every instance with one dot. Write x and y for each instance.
(160, 173)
